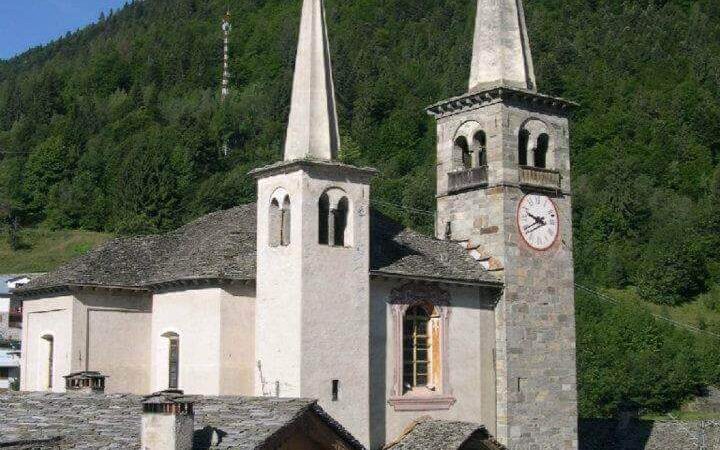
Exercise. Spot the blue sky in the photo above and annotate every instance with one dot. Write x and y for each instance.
(28, 23)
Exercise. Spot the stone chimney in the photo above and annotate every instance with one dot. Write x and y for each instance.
(85, 382)
(168, 421)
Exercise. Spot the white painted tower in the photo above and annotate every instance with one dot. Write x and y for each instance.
(313, 257)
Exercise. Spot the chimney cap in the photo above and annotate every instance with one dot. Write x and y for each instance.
(85, 375)
(168, 396)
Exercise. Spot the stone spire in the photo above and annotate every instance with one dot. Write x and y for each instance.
(313, 129)
(501, 50)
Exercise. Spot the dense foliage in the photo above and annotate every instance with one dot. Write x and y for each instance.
(626, 357)
(119, 128)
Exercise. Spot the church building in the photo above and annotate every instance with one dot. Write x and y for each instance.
(310, 293)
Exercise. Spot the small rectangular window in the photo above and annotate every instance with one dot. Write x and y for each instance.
(335, 390)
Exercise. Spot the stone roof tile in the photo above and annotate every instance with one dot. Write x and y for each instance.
(426, 433)
(222, 246)
(51, 420)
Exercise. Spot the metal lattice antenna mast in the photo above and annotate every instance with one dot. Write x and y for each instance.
(226, 27)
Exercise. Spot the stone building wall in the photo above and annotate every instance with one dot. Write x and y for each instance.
(535, 322)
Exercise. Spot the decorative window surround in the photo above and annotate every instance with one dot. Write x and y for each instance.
(401, 299)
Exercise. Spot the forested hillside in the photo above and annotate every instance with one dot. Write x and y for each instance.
(119, 128)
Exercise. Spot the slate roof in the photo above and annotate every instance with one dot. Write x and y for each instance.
(426, 433)
(222, 246)
(113, 421)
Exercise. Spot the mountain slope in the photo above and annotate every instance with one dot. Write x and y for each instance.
(119, 127)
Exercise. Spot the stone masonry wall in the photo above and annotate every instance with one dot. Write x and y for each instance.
(535, 327)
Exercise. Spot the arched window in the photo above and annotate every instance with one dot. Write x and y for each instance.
(275, 223)
(279, 222)
(417, 348)
(173, 359)
(462, 147)
(285, 222)
(340, 222)
(324, 219)
(523, 142)
(48, 343)
(334, 218)
(541, 151)
(480, 141)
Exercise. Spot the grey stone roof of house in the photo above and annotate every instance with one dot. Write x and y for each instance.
(46, 420)
(222, 246)
(426, 433)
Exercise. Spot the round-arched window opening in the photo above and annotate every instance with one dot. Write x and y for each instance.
(463, 149)
(523, 141)
(480, 141)
(541, 151)
(324, 220)
(341, 221)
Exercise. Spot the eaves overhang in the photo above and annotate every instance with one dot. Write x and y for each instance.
(474, 100)
(495, 284)
(337, 167)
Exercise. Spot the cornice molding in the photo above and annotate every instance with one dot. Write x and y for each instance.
(474, 100)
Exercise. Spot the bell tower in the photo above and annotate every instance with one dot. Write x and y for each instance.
(312, 335)
(503, 192)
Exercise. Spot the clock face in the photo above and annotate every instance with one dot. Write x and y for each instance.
(538, 220)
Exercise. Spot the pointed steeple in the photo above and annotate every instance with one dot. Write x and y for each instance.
(501, 50)
(313, 129)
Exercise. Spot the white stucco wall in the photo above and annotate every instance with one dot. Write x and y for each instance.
(41, 317)
(216, 335)
(279, 282)
(237, 347)
(97, 331)
(313, 310)
(471, 340)
(116, 330)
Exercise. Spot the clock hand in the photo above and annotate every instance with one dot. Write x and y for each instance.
(536, 228)
(536, 218)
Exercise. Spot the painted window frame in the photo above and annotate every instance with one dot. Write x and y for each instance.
(401, 300)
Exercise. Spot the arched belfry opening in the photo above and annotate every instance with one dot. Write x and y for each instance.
(480, 145)
(341, 219)
(534, 148)
(334, 219)
(462, 148)
(285, 222)
(324, 219)
(523, 141)
(279, 219)
(541, 150)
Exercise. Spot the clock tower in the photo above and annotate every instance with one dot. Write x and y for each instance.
(503, 193)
